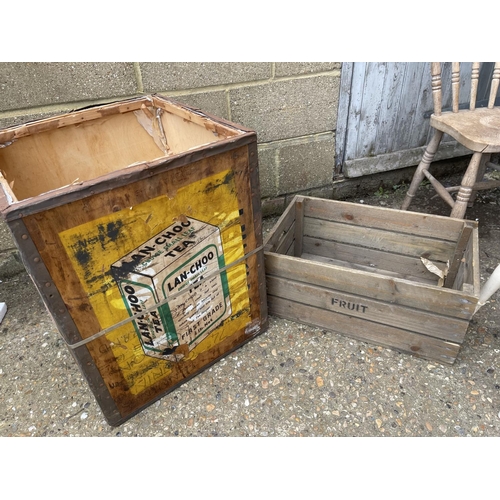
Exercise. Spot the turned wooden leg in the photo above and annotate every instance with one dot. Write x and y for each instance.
(418, 176)
(465, 191)
(480, 175)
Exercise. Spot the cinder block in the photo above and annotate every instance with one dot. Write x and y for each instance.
(325, 192)
(158, 77)
(285, 109)
(214, 103)
(24, 85)
(321, 192)
(268, 171)
(24, 116)
(301, 68)
(306, 165)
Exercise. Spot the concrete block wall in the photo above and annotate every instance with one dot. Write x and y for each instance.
(291, 106)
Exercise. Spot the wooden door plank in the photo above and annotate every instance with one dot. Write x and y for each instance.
(369, 117)
(353, 121)
(408, 117)
(343, 115)
(391, 103)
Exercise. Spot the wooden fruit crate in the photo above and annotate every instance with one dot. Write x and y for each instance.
(358, 270)
(140, 224)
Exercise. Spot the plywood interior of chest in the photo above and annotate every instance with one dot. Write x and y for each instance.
(378, 240)
(41, 156)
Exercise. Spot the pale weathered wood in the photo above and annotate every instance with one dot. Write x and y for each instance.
(281, 229)
(473, 86)
(478, 186)
(356, 214)
(458, 255)
(440, 189)
(359, 75)
(380, 239)
(299, 227)
(436, 87)
(344, 102)
(465, 191)
(410, 112)
(407, 318)
(352, 263)
(401, 121)
(287, 242)
(371, 260)
(474, 128)
(358, 167)
(477, 130)
(455, 85)
(374, 333)
(468, 276)
(390, 112)
(367, 129)
(424, 164)
(360, 274)
(393, 290)
(495, 80)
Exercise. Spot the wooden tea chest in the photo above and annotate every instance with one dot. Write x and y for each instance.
(358, 270)
(140, 224)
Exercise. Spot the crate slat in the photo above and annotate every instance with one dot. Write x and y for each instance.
(380, 239)
(393, 290)
(407, 318)
(281, 230)
(373, 333)
(408, 222)
(370, 260)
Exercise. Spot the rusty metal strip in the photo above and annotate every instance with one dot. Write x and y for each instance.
(254, 179)
(57, 309)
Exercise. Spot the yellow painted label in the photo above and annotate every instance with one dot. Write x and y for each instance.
(139, 255)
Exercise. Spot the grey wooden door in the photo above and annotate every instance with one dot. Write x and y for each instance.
(383, 116)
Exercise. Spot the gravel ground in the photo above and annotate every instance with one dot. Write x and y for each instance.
(292, 380)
